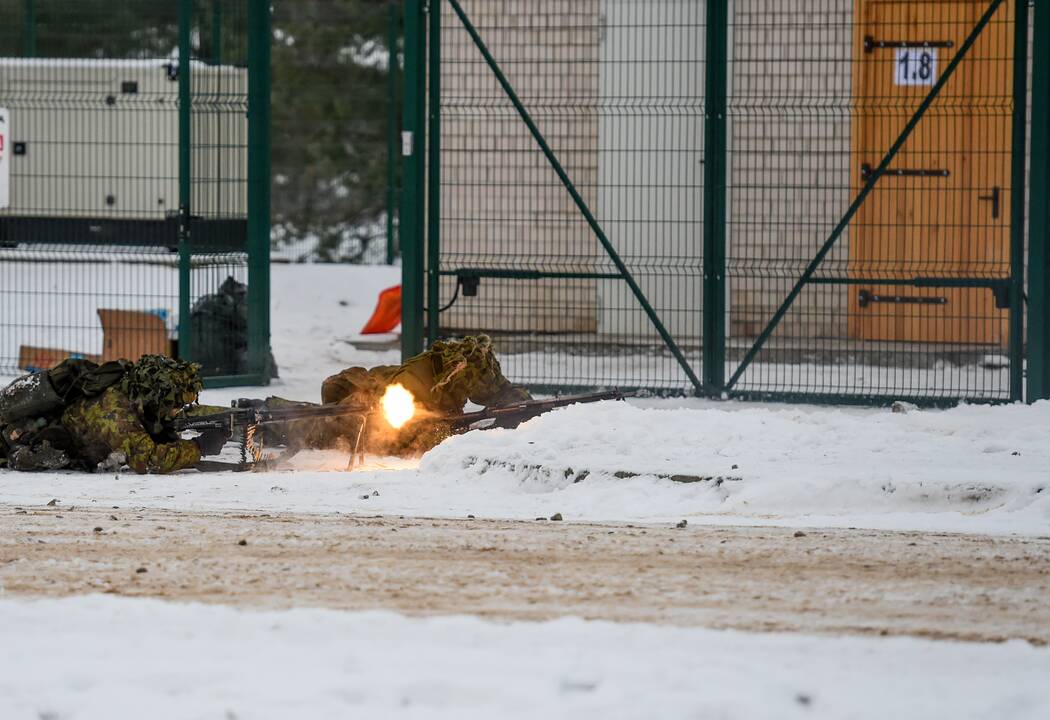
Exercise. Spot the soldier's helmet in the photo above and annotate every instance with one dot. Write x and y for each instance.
(160, 384)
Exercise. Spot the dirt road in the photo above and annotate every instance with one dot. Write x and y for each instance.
(841, 581)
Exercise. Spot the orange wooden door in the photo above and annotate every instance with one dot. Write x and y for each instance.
(943, 208)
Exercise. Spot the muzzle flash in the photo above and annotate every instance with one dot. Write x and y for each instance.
(398, 406)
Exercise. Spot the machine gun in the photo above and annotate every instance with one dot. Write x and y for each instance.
(248, 415)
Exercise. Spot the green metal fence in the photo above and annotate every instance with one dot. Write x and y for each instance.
(134, 212)
(734, 198)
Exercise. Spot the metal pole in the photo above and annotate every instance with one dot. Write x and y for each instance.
(434, 177)
(259, 34)
(1017, 184)
(581, 204)
(216, 32)
(392, 35)
(876, 175)
(185, 186)
(413, 150)
(1039, 214)
(29, 29)
(715, 91)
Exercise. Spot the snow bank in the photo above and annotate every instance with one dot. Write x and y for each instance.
(113, 658)
(971, 469)
(990, 465)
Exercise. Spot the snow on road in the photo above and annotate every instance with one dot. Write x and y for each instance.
(114, 658)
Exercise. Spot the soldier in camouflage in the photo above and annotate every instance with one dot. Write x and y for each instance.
(123, 420)
(441, 379)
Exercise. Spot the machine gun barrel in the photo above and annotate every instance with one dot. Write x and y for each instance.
(511, 415)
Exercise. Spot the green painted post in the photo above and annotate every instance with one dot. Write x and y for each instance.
(29, 29)
(1017, 183)
(392, 34)
(413, 149)
(714, 310)
(1039, 214)
(216, 32)
(185, 186)
(259, 34)
(433, 303)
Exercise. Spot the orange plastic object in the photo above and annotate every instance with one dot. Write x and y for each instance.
(387, 314)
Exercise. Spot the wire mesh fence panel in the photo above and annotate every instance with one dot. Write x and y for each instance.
(94, 187)
(913, 297)
(615, 88)
(86, 235)
(874, 176)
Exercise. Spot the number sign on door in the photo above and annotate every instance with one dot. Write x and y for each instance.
(915, 66)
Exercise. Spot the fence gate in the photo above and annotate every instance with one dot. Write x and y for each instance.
(744, 198)
(134, 183)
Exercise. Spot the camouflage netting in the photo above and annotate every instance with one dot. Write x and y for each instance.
(158, 385)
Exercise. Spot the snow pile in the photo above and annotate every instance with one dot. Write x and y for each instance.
(114, 658)
(783, 461)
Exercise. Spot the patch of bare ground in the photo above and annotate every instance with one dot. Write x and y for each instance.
(767, 579)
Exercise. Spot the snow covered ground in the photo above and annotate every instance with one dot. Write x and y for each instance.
(104, 657)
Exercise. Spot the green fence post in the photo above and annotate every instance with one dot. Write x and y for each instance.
(1017, 184)
(714, 310)
(413, 149)
(1039, 213)
(185, 50)
(259, 35)
(392, 35)
(216, 32)
(433, 302)
(29, 29)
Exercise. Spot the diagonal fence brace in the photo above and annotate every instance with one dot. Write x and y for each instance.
(875, 176)
(581, 204)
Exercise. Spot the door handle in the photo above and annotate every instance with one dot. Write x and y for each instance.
(994, 198)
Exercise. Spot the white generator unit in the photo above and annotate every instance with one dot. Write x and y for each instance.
(92, 152)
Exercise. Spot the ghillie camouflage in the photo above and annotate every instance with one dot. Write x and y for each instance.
(109, 415)
(441, 379)
(110, 424)
(158, 386)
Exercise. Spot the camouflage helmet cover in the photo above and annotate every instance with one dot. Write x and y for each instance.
(160, 384)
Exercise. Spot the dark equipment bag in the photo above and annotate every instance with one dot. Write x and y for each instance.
(50, 391)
